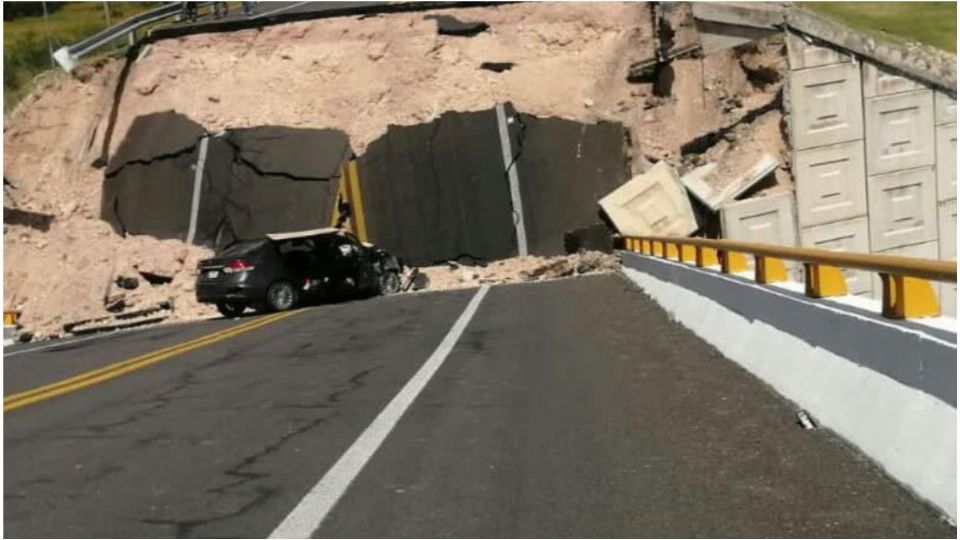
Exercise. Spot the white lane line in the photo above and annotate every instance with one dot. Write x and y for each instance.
(197, 183)
(278, 10)
(313, 509)
(519, 225)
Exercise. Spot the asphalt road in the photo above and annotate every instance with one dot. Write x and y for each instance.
(566, 408)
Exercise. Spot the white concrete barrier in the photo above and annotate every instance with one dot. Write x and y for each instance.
(887, 387)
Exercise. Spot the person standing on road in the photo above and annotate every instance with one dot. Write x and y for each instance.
(219, 9)
(247, 7)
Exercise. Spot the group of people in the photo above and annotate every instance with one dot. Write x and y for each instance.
(189, 10)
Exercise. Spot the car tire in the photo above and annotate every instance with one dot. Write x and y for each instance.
(389, 283)
(282, 296)
(230, 310)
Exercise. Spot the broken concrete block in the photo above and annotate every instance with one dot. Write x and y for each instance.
(767, 220)
(696, 182)
(653, 203)
(760, 170)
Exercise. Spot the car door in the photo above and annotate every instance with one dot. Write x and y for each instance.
(364, 272)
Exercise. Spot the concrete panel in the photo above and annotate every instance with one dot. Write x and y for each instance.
(802, 54)
(769, 220)
(653, 203)
(826, 105)
(947, 219)
(947, 216)
(899, 131)
(878, 81)
(851, 236)
(946, 162)
(902, 208)
(831, 183)
(927, 250)
(945, 108)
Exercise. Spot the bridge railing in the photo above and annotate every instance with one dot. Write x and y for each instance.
(907, 291)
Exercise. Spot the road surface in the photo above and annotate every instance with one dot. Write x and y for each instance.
(564, 408)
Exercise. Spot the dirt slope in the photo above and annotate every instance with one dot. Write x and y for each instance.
(347, 73)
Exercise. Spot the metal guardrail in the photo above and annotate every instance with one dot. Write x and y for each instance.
(68, 57)
(907, 292)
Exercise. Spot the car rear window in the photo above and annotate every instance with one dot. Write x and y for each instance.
(244, 247)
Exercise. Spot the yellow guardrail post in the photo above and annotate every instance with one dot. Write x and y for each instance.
(822, 281)
(732, 262)
(707, 256)
(657, 248)
(769, 269)
(907, 292)
(671, 251)
(906, 297)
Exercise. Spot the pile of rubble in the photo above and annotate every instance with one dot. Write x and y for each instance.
(610, 60)
(456, 275)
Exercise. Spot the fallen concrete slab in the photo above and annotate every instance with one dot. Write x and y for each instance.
(698, 184)
(653, 203)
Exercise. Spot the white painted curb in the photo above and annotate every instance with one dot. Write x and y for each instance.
(909, 433)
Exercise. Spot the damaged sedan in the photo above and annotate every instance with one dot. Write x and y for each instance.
(283, 270)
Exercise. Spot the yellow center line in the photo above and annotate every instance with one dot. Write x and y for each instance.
(112, 371)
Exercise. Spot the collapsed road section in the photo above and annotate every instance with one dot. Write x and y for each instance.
(474, 134)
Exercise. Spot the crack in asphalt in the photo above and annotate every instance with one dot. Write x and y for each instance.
(185, 528)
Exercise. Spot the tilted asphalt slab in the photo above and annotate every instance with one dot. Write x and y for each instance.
(567, 408)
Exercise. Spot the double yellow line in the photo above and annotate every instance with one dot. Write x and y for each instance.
(112, 371)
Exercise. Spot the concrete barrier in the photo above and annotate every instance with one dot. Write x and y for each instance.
(887, 387)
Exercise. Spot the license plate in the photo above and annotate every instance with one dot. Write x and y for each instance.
(213, 273)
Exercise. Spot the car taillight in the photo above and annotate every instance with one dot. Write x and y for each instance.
(238, 265)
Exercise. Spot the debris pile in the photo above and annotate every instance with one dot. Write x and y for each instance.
(454, 275)
(361, 75)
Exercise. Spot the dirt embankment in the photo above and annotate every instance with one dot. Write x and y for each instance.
(358, 75)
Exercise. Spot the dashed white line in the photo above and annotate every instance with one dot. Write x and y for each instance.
(320, 500)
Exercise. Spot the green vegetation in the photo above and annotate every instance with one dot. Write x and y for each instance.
(933, 23)
(26, 53)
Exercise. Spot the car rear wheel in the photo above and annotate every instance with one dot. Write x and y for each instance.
(230, 309)
(389, 283)
(281, 296)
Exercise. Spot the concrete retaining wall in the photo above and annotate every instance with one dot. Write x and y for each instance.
(889, 388)
(870, 143)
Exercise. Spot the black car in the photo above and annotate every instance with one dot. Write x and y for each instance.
(281, 271)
